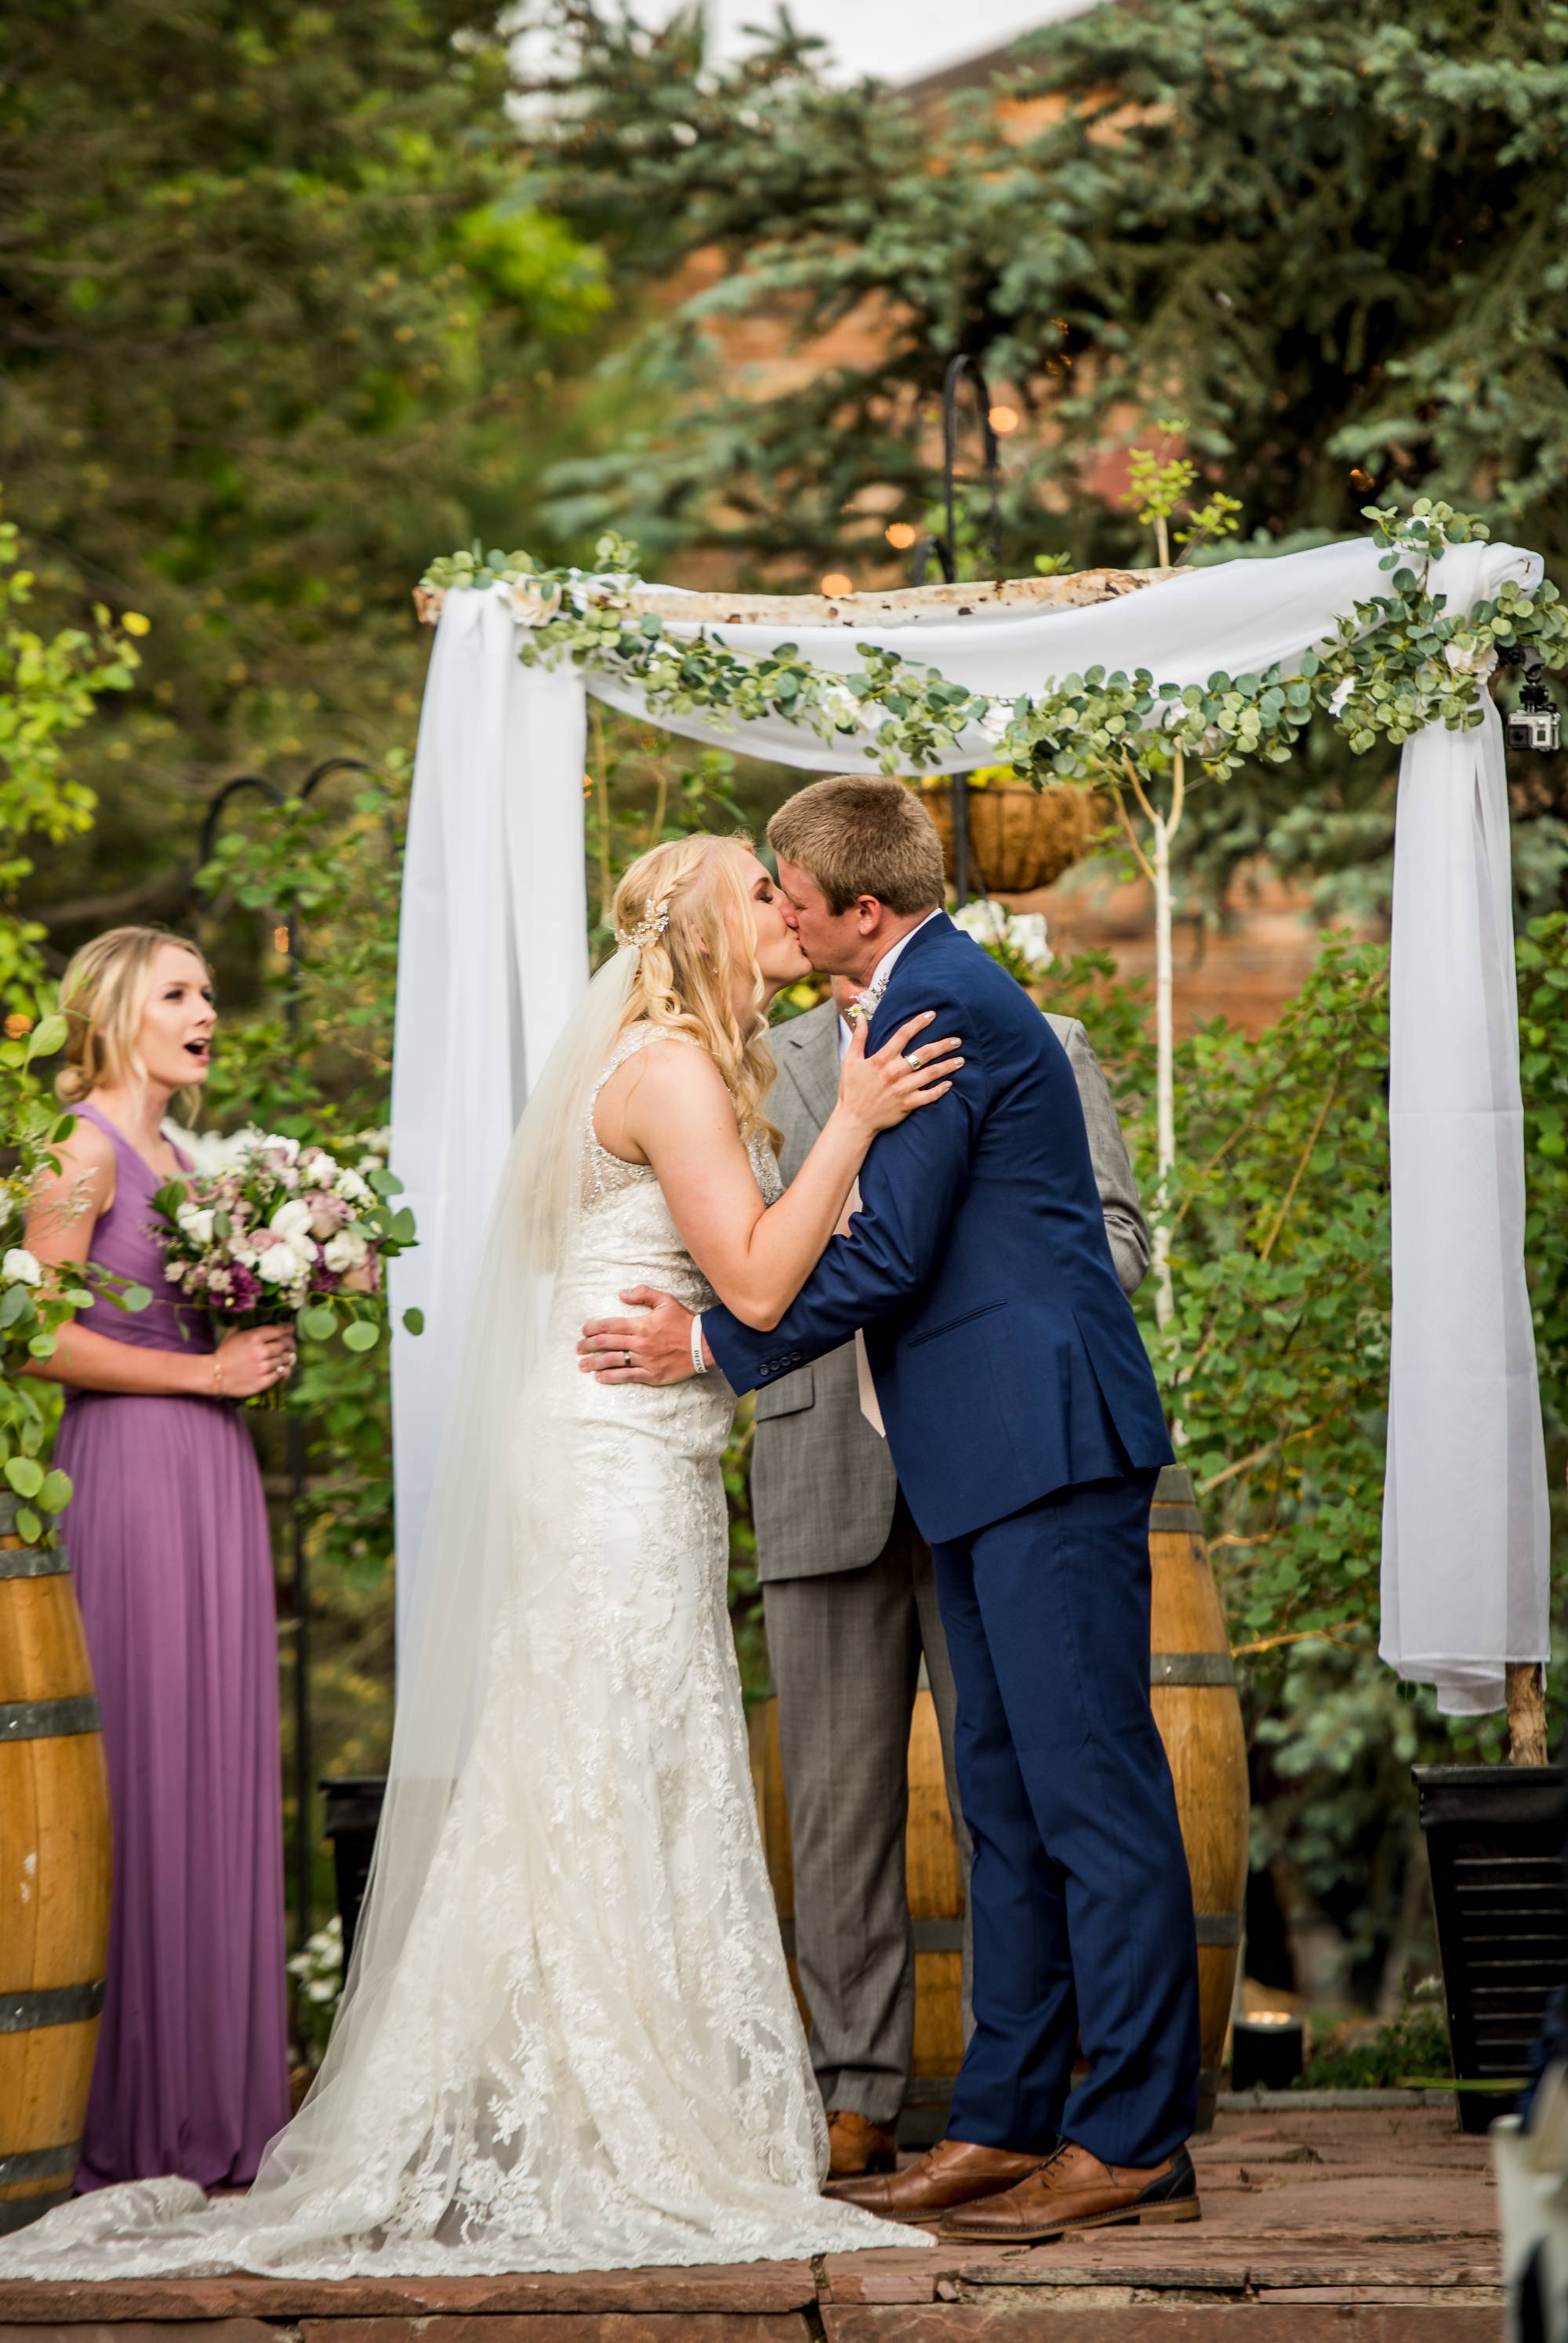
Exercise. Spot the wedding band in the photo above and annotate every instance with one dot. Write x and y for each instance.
(625, 1358)
(912, 1058)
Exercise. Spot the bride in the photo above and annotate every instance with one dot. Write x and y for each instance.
(567, 2040)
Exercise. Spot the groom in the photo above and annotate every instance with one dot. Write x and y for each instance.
(1027, 1434)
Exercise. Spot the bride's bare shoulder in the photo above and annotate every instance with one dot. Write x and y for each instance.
(666, 1081)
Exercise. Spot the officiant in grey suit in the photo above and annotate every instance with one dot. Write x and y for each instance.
(850, 1607)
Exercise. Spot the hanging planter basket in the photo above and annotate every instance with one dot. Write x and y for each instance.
(1020, 837)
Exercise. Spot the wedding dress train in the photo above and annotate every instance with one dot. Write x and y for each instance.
(586, 2053)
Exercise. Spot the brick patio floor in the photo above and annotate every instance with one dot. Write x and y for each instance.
(1375, 2226)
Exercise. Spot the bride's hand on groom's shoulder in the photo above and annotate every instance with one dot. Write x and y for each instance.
(909, 1069)
(654, 1347)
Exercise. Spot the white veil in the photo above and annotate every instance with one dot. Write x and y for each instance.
(471, 1552)
(468, 1553)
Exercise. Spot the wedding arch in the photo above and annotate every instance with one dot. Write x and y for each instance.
(1392, 638)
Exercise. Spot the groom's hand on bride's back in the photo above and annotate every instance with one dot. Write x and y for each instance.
(654, 1347)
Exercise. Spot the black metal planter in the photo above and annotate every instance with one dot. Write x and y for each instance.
(352, 1814)
(1494, 1836)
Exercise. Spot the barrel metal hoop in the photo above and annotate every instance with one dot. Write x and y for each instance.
(1191, 1668)
(60, 2004)
(1219, 1927)
(939, 1935)
(1170, 1520)
(47, 1720)
(930, 1936)
(34, 1562)
(16, 2212)
(38, 2163)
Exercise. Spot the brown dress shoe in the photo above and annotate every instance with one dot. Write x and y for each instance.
(859, 2146)
(954, 2172)
(1073, 2190)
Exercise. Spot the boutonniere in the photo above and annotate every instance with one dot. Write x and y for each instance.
(866, 1004)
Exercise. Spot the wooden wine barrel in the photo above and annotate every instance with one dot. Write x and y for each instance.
(932, 1868)
(1192, 1690)
(54, 1875)
(1192, 1687)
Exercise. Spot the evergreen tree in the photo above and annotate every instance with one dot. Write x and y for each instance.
(276, 321)
(1329, 237)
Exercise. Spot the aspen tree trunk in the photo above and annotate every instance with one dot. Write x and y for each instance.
(1165, 1071)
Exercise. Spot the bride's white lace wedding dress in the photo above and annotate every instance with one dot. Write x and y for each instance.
(585, 2053)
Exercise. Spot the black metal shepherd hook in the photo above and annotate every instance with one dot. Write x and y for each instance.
(297, 1587)
(945, 547)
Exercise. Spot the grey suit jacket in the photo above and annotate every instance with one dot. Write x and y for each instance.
(822, 1483)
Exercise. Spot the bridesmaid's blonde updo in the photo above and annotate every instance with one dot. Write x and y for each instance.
(103, 999)
(685, 908)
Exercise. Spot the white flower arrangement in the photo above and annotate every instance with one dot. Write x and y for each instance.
(1020, 935)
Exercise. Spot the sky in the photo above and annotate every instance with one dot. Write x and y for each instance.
(899, 40)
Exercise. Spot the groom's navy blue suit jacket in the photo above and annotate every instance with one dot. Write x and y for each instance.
(1006, 1361)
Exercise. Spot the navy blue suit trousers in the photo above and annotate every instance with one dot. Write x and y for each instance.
(1081, 1895)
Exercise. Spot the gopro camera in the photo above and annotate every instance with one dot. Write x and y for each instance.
(1535, 725)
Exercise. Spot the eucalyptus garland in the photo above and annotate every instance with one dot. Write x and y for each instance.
(1398, 662)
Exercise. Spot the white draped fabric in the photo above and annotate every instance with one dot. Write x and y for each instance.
(492, 960)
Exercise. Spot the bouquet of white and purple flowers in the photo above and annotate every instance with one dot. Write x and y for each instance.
(276, 1229)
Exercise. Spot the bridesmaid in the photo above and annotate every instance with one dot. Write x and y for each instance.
(170, 1554)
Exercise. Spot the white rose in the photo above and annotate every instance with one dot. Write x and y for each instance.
(351, 1187)
(196, 1220)
(21, 1267)
(840, 706)
(278, 1265)
(1026, 933)
(291, 1221)
(1469, 658)
(247, 1255)
(1340, 693)
(983, 920)
(346, 1250)
(277, 1144)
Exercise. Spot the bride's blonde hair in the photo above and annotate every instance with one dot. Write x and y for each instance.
(686, 908)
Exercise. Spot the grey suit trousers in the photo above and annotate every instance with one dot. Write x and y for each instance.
(846, 1653)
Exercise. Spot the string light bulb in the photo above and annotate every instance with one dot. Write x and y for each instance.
(900, 535)
(1004, 420)
(836, 583)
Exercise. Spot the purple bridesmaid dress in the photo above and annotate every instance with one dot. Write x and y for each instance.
(172, 1560)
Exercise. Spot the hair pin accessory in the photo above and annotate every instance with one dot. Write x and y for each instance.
(654, 920)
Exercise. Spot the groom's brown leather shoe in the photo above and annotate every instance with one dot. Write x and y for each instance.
(858, 2146)
(954, 2172)
(1073, 2190)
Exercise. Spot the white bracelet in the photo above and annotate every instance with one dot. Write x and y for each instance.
(699, 1363)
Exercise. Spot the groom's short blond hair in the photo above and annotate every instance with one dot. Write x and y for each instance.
(861, 835)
